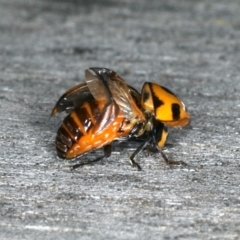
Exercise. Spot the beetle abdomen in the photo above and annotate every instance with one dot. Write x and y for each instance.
(74, 126)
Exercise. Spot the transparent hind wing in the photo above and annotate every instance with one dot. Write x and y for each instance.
(97, 80)
(106, 85)
(94, 87)
(127, 98)
(103, 85)
(72, 98)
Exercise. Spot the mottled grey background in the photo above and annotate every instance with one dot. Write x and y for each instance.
(191, 47)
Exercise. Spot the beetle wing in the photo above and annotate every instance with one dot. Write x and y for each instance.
(98, 81)
(126, 97)
(72, 98)
(106, 85)
(94, 87)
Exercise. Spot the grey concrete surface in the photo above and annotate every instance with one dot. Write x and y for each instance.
(191, 47)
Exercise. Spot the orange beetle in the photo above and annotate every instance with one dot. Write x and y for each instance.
(106, 109)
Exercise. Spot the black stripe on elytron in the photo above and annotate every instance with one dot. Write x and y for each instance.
(73, 128)
(175, 111)
(84, 118)
(156, 100)
(146, 96)
(167, 90)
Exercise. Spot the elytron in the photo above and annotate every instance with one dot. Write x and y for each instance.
(106, 109)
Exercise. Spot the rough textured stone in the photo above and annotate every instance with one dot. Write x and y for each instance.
(191, 47)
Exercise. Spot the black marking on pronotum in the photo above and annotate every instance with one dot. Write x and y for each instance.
(175, 111)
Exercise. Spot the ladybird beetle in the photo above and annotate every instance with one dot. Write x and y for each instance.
(106, 109)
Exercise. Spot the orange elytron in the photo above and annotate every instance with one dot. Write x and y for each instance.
(106, 109)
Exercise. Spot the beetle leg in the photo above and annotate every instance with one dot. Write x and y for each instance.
(107, 149)
(135, 165)
(107, 152)
(170, 162)
(139, 149)
(148, 143)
